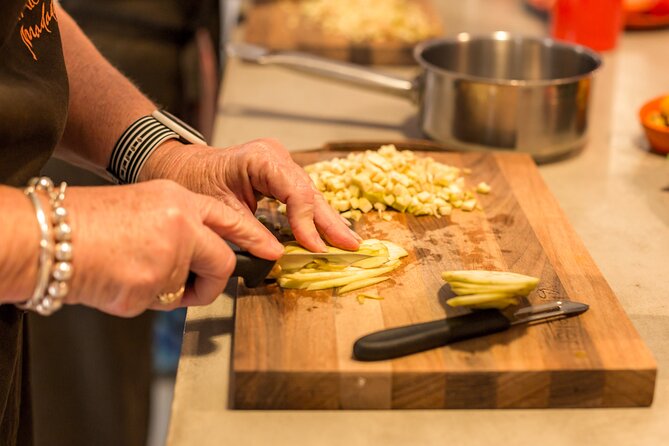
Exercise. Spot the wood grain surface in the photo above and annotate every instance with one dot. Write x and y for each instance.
(293, 348)
(278, 25)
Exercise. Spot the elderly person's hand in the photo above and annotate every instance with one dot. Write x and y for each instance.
(135, 242)
(237, 175)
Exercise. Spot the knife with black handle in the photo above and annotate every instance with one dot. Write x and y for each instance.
(401, 341)
(252, 269)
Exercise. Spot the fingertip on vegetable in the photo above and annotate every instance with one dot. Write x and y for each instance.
(356, 235)
(274, 250)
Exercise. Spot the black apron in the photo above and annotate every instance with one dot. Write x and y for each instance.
(33, 112)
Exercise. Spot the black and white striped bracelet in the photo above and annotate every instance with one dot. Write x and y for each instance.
(134, 147)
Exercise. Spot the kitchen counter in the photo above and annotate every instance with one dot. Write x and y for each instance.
(614, 192)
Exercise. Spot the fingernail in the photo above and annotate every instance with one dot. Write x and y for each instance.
(345, 220)
(320, 244)
(278, 249)
(355, 235)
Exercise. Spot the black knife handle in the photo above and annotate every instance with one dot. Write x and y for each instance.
(251, 268)
(400, 341)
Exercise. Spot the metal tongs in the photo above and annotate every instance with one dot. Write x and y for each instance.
(401, 341)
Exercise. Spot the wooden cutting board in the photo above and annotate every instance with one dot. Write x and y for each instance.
(278, 25)
(293, 348)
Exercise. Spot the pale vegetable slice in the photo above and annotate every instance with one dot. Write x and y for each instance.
(488, 277)
(473, 288)
(499, 304)
(461, 292)
(302, 279)
(394, 251)
(362, 296)
(329, 272)
(367, 247)
(373, 245)
(372, 262)
(290, 248)
(312, 276)
(291, 283)
(361, 284)
(296, 257)
(371, 296)
(487, 289)
(310, 268)
(333, 283)
(477, 299)
(324, 265)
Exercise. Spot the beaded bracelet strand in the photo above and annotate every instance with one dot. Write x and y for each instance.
(55, 259)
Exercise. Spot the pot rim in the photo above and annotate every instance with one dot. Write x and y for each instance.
(420, 49)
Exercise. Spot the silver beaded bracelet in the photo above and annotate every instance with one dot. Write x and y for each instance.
(55, 259)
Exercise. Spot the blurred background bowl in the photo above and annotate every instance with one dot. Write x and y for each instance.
(657, 134)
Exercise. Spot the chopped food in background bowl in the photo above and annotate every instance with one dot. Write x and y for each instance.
(654, 116)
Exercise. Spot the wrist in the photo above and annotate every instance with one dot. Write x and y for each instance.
(138, 143)
(20, 241)
(54, 269)
(165, 161)
(181, 163)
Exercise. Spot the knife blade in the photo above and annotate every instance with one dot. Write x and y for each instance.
(296, 260)
(401, 341)
(252, 269)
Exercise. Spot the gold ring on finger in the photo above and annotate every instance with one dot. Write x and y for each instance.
(168, 298)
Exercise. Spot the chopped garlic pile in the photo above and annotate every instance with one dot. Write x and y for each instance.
(376, 180)
(371, 20)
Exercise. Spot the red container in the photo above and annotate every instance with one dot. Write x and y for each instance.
(593, 23)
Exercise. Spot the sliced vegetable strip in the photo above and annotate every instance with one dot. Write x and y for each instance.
(323, 274)
(487, 289)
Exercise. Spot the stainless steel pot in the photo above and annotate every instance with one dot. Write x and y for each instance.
(493, 92)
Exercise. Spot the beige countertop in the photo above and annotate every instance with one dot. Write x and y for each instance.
(615, 193)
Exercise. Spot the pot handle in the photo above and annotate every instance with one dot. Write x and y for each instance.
(320, 66)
